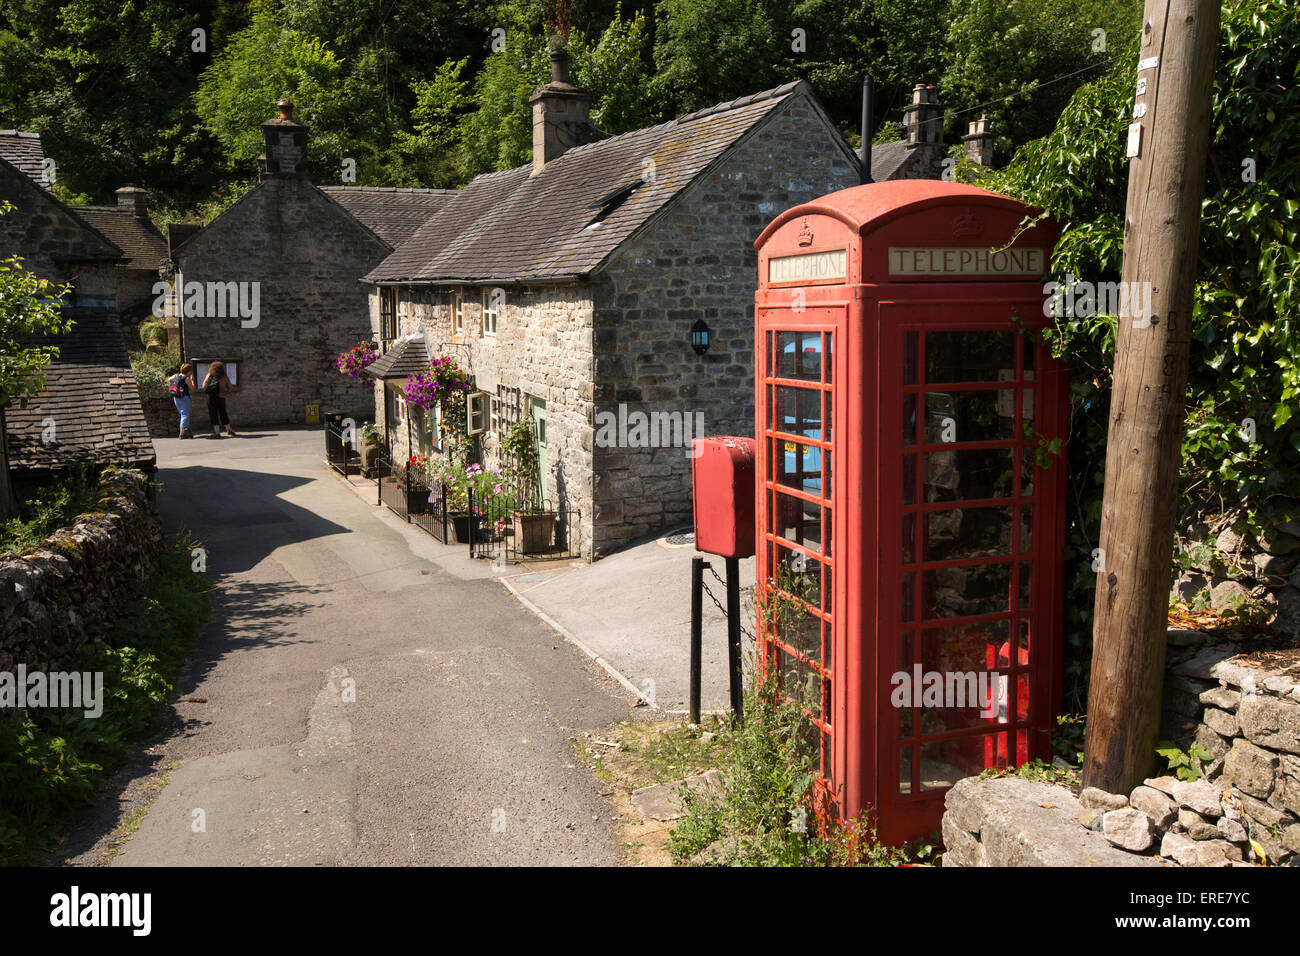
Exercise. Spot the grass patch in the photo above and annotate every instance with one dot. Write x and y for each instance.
(52, 759)
(767, 816)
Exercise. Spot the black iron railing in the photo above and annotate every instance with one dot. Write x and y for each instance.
(512, 534)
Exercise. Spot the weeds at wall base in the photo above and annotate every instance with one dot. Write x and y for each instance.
(52, 760)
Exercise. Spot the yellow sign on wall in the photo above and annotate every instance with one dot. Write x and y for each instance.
(313, 413)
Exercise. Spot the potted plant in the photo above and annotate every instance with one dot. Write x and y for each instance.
(477, 499)
(414, 476)
(534, 525)
(370, 441)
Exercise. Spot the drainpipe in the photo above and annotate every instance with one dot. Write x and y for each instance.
(864, 153)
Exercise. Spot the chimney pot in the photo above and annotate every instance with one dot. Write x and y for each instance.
(285, 143)
(560, 112)
(978, 142)
(922, 119)
(134, 200)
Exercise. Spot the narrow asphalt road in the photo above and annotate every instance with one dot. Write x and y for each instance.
(361, 695)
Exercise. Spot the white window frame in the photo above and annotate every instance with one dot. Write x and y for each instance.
(457, 312)
(476, 413)
(490, 315)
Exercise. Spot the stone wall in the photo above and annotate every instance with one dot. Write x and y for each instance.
(59, 599)
(697, 262)
(162, 418)
(543, 348)
(307, 255)
(1234, 570)
(1242, 708)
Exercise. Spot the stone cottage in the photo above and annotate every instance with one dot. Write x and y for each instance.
(580, 290)
(89, 412)
(270, 286)
(144, 249)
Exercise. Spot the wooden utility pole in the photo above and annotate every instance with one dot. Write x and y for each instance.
(1167, 146)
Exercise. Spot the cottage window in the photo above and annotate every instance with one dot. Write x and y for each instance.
(458, 312)
(387, 316)
(493, 299)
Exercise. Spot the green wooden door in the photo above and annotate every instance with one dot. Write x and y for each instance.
(539, 429)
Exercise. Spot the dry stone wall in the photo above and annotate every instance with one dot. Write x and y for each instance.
(1233, 571)
(1243, 811)
(61, 598)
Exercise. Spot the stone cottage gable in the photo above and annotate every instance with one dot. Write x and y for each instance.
(696, 260)
(301, 253)
(49, 236)
(565, 221)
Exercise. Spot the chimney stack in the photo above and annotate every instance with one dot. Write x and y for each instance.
(978, 142)
(923, 119)
(285, 140)
(560, 112)
(134, 200)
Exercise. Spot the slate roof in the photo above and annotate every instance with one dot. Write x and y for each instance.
(91, 396)
(407, 356)
(887, 159)
(140, 242)
(510, 226)
(24, 151)
(392, 213)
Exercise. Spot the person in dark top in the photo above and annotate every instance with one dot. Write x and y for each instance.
(217, 387)
(179, 387)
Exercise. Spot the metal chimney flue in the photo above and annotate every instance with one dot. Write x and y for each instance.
(864, 152)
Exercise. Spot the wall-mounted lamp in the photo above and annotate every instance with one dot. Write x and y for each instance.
(700, 335)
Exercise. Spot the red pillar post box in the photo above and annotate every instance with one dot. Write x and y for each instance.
(908, 504)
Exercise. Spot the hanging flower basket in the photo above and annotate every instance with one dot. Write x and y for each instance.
(353, 362)
(442, 381)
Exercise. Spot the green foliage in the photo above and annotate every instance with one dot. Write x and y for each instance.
(486, 123)
(107, 85)
(1186, 765)
(707, 51)
(767, 816)
(1002, 53)
(50, 759)
(152, 369)
(1245, 336)
(54, 508)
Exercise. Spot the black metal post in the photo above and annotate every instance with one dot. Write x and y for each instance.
(868, 121)
(733, 637)
(697, 625)
(443, 486)
(469, 519)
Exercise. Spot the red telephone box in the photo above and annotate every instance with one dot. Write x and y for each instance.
(908, 502)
